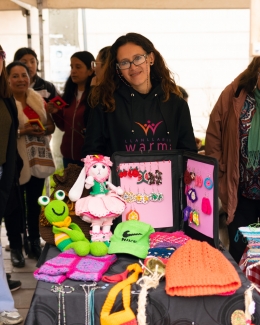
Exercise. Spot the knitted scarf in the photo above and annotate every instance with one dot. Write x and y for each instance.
(253, 136)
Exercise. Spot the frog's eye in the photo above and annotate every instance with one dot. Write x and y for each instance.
(59, 195)
(43, 200)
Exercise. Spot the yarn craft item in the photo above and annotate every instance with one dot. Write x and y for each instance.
(186, 213)
(208, 183)
(198, 269)
(142, 177)
(64, 182)
(198, 181)
(192, 195)
(240, 317)
(167, 239)
(104, 203)
(68, 265)
(187, 178)
(125, 316)
(158, 177)
(146, 282)
(132, 215)
(66, 233)
(194, 217)
(159, 253)
(205, 206)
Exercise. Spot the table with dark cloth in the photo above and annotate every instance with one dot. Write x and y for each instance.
(161, 309)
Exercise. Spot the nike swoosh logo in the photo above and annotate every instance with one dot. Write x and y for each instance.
(126, 234)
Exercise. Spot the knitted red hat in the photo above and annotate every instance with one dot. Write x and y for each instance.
(198, 269)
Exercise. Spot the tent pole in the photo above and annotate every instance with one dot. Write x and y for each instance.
(83, 11)
(28, 23)
(39, 6)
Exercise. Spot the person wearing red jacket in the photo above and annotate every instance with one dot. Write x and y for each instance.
(70, 119)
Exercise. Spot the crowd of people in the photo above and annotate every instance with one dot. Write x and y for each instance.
(105, 101)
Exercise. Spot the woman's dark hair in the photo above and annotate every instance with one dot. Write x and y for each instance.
(184, 93)
(15, 64)
(104, 53)
(4, 88)
(159, 71)
(23, 51)
(248, 78)
(70, 87)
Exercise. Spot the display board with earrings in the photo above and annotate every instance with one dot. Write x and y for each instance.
(171, 190)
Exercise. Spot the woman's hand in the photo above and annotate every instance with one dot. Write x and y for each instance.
(51, 108)
(31, 130)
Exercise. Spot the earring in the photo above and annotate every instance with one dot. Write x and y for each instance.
(151, 63)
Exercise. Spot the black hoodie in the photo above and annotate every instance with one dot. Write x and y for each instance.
(140, 122)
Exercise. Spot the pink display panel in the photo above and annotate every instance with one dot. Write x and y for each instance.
(202, 188)
(151, 203)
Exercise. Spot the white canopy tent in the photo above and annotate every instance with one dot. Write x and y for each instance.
(127, 4)
(137, 4)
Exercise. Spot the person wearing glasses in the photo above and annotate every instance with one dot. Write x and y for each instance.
(99, 64)
(70, 119)
(137, 105)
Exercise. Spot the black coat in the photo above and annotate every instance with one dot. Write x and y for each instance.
(9, 183)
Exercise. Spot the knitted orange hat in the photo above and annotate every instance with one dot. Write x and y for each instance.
(198, 269)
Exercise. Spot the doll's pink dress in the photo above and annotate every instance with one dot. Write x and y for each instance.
(101, 203)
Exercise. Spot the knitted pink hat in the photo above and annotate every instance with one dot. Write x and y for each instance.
(198, 269)
(93, 159)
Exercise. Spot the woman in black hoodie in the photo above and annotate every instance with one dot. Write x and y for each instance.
(138, 105)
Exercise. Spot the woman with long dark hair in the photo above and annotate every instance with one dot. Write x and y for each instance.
(137, 105)
(70, 119)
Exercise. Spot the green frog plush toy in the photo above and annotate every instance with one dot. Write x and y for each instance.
(66, 233)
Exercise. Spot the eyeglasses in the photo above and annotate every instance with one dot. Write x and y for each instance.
(94, 64)
(139, 59)
(2, 55)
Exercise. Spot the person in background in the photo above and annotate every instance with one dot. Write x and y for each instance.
(137, 105)
(45, 88)
(232, 137)
(8, 188)
(70, 119)
(98, 68)
(30, 105)
(98, 65)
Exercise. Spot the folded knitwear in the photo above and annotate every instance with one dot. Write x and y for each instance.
(198, 269)
(68, 265)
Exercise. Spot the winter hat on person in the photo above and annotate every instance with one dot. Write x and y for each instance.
(198, 269)
(84, 56)
(131, 237)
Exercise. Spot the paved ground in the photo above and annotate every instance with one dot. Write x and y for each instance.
(23, 296)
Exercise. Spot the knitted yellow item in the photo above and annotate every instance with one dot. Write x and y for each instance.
(64, 223)
(123, 316)
(198, 269)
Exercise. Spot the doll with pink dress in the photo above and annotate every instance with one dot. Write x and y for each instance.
(104, 203)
